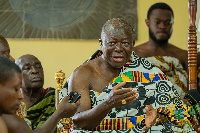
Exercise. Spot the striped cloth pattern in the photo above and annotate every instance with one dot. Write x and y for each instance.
(118, 123)
(41, 110)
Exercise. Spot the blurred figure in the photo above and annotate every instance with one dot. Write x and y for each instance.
(10, 89)
(5, 49)
(158, 51)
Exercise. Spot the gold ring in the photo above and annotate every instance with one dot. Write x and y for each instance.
(123, 101)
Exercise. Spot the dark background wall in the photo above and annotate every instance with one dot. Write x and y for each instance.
(62, 19)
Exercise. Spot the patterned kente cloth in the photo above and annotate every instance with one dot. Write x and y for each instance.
(153, 88)
(173, 69)
(21, 112)
(41, 110)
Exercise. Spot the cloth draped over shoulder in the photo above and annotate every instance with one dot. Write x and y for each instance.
(153, 88)
(40, 111)
(173, 69)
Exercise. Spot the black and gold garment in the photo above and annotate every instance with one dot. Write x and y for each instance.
(41, 110)
(173, 69)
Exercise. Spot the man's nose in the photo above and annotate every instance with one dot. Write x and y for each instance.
(118, 47)
(20, 95)
(162, 25)
(33, 69)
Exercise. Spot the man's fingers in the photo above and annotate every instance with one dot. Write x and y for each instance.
(149, 110)
(67, 97)
(131, 98)
(119, 86)
(77, 103)
(145, 128)
(149, 107)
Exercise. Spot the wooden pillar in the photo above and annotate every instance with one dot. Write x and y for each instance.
(192, 45)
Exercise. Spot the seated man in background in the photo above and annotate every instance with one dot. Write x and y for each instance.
(10, 85)
(16, 124)
(158, 51)
(39, 102)
(108, 84)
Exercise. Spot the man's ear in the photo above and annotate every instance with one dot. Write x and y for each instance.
(100, 42)
(147, 22)
(133, 43)
(101, 45)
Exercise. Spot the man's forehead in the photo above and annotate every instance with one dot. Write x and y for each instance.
(118, 32)
(26, 60)
(161, 13)
(116, 29)
(114, 26)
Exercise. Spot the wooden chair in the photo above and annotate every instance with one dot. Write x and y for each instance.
(192, 45)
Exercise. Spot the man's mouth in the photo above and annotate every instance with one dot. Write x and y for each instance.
(118, 59)
(36, 79)
(161, 32)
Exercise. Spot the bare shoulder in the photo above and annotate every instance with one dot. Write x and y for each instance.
(80, 80)
(15, 124)
(3, 126)
(84, 70)
(82, 76)
(181, 53)
(141, 49)
(175, 48)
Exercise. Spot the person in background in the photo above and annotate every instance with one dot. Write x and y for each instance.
(172, 60)
(5, 49)
(38, 102)
(10, 86)
(158, 51)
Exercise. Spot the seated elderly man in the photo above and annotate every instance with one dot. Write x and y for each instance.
(40, 102)
(10, 85)
(119, 90)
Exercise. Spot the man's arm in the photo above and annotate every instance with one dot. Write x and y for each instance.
(16, 124)
(3, 126)
(88, 118)
(150, 118)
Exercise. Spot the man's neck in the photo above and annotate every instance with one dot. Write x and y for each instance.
(30, 97)
(32, 94)
(157, 46)
(108, 69)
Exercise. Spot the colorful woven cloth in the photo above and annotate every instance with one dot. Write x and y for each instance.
(21, 112)
(41, 110)
(173, 69)
(153, 88)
